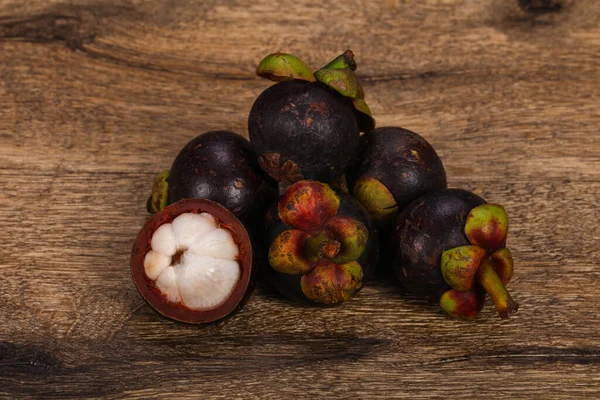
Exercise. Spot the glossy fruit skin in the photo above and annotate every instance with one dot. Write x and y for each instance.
(402, 160)
(221, 166)
(428, 226)
(288, 284)
(303, 130)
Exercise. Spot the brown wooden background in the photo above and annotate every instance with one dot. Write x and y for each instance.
(98, 96)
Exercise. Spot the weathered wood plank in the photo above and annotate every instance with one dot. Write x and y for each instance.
(95, 97)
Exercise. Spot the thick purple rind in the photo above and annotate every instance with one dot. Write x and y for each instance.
(428, 226)
(307, 125)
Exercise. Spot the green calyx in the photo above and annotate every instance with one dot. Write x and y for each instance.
(485, 265)
(344, 81)
(159, 198)
(465, 305)
(338, 74)
(459, 266)
(487, 226)
(283, 67)
(375, 197)
(343, 61)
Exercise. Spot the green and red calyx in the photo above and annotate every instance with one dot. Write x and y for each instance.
(159, 198)
(485, 266)
(320, 245)
(338, 74)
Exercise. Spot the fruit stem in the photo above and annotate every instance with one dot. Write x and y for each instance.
(328, 249)
(344, 61)
(321, 246)
(491, 282)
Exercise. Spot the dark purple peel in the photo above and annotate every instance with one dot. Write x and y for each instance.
(303, 130)
(395, 167)
(444, 232)
(429, 226)
(221, 166)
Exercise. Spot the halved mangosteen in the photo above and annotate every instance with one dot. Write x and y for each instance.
(193, 262)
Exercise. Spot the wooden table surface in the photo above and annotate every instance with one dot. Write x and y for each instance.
(98, 96)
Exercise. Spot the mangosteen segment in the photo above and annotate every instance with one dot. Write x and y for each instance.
(192, 261)
(331, 283)
(487, 226)
(283, 67)
(159, 198)
(202, 270)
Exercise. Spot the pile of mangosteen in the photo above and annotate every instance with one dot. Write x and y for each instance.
(316, 209)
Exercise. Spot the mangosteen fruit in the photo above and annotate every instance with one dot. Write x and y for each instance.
(193, 262)
(451, 249)
(307, 126)
(394, 167)
(323, 244)
(219, 166)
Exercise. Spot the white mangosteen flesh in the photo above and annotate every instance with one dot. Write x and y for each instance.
(193, 261)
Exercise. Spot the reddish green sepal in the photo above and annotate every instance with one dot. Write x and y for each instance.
(159, 198)
(344, 81)
(375, 197)
(487, 226)
(491, 282)
(286, 253)
(459, 266)
(330, 283)
(464, 305)
(503, 265)
(343, 61)
(352, 235)
(308, 204)
(283, 67)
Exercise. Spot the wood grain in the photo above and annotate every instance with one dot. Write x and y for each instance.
(98, 96)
